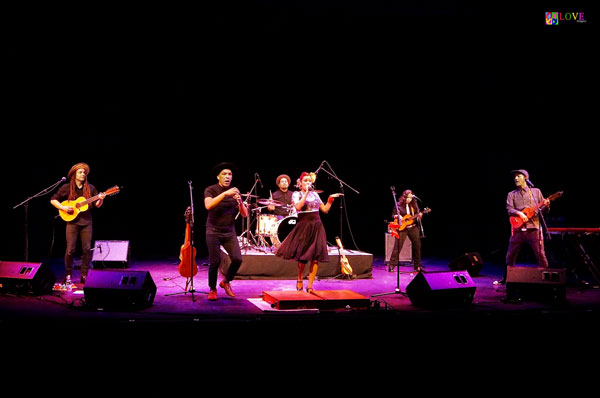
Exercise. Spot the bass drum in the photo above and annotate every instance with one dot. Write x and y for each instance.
(284, 227)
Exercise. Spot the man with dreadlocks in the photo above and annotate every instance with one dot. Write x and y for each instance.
(81, 226)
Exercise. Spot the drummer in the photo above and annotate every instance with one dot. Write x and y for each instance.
(284, 196)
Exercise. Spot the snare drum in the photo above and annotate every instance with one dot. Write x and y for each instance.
(266, 224)
(284, 227)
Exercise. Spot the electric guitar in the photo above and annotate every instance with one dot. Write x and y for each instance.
(82, 204)
(346, 268)
(517, 221)
(400, 225)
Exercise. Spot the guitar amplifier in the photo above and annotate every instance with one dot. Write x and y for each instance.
(111, 254)
(405, 253)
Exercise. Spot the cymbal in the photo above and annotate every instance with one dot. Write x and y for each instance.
(248, 195)
(269, 202)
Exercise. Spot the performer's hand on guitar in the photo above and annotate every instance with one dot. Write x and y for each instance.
(523, 216)
(67, 209)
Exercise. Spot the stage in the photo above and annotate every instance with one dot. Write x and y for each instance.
(387, 305)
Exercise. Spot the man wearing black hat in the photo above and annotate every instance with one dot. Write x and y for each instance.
(525, 196)
(223, 203)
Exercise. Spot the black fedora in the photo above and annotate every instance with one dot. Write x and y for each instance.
(216, 170)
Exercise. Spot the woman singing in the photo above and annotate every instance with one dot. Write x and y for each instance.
(307, 242)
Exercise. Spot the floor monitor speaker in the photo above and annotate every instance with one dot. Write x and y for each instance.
(119, 288)
(441, 289)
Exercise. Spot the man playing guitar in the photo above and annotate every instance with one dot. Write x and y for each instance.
(530, 232)
(80, 226)
(407, 206)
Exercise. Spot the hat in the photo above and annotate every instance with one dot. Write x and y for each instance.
(283, 176)
(216, 170)
(77, 167)
(521, 171)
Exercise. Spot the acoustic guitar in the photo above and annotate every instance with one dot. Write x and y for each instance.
(346, 268)
(400, 225)
(187, 266)
(517, 221)
(82, 204)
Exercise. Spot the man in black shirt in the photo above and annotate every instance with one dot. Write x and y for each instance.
(283, 195)
(80, 226)
(407, 206)
(223, 203)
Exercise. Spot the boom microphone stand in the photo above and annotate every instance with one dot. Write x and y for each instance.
(342, 183)
(25, 204)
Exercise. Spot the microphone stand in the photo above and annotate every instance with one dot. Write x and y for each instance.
(247, 244)
(342, 183)
(397, 291)
(25, 204)
(539, 211)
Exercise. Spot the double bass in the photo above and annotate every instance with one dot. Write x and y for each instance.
(188, 267)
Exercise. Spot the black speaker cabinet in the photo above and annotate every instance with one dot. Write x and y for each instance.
(441, 289)
(533, 283)
(26, 278)
(472, 262)
(119, 289)
(111, 254)
(405, 252)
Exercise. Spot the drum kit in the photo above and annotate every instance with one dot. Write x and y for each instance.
(271, 229)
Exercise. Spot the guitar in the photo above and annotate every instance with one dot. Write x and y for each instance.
(188, 266)
(517, 221)
(404, 222)
(82, 204)
(346, 268)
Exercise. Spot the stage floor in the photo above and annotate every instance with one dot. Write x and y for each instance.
(168, 307)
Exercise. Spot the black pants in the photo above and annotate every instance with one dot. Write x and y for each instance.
(84, 232)
(229, 241)
(534, 238)
(415, 238)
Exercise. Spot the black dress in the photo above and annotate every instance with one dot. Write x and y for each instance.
(307, 242)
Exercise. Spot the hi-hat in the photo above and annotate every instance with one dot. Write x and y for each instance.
(248, 195)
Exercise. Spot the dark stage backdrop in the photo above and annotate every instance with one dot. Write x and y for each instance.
(441, 97)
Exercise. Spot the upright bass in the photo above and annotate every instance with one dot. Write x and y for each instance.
(188, 267)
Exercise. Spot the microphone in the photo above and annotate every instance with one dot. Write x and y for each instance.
(63, 179)
(319, 168)
(416, 197)
(529, 183)
(313, 175)
(258, 179)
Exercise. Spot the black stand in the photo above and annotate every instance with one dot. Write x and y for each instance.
(250, 240)
(397, 291)
(342, 183)
(190, 281)
(25, 204)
